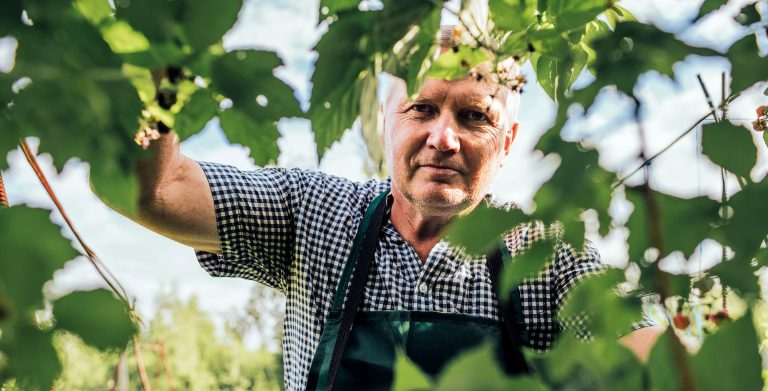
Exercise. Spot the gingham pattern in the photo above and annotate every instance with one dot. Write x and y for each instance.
(293, 229)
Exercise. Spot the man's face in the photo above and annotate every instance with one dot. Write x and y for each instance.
(445, 147)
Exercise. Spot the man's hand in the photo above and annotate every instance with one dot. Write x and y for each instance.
(641, 341)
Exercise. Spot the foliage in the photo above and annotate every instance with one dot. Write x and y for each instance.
(147, 64)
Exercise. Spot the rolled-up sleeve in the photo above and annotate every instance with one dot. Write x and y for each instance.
(255, 222)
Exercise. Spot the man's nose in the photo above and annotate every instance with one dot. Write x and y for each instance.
(443, 135)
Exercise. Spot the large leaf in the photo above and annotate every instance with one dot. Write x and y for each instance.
(195, 114)
(569, 14)
(482, 228)
(478, 369)
(606, 312)
(354, 39)
(31, 358)
(512, 15)
(259, 137)
(205, 22)
(408, 376)
(746, 229)
(577, 185)
(662, 364)
(247, 78)
(747, 67)
(600, 365)
(730, 147)
(732, 350)
(32, 249)
(738, 274)
(457, 64)
(698, 214)
(97, 316)
(526, 263)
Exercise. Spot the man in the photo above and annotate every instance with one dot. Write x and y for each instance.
(363, 265)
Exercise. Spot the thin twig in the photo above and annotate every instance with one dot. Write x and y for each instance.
(140, 364)
(708, 97)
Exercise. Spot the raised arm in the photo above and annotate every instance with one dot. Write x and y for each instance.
(174, 197)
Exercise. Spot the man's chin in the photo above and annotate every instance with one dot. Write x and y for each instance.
(442, 198)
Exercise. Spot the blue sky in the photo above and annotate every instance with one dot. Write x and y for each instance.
(149, 264)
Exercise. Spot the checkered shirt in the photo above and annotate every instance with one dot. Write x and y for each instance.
(293, 229)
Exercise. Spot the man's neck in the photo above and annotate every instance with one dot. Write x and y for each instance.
(422, 232)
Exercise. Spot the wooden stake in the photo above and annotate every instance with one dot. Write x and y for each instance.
(140, 364)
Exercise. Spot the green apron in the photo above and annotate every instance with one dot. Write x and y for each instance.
(362, 357)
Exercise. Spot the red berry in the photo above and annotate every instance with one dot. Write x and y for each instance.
(720, 316)
(681, 321)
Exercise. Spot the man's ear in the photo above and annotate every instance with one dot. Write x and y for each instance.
(510, 137)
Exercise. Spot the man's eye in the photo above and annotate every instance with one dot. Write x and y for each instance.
(476, 116)
(422, 108)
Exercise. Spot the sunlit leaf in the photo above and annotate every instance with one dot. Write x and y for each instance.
(730, 147)
(512, 15)
(408, 376)
(572, 14)
(457, 64)
(95, 11)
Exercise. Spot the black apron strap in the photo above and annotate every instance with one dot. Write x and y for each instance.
(514, 358)
(356, 287)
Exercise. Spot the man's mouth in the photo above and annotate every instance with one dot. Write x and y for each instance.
(439, 169)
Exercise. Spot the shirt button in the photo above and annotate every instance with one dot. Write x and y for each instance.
(423, 288)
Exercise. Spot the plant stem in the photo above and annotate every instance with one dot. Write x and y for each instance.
(662, 282)
(140, 364)
(3, 196)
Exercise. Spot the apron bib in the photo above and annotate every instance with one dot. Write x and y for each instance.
(362, 357)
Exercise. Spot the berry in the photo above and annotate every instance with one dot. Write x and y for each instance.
(681, 321)
(720, 316)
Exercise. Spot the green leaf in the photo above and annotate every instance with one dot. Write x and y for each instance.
(247, 78)
(482, 228)
(408, 376)
(512, 15)
(523, 265)
(733, 349)
(259, 137)
(157, 20)
(355, 38)
(97, 316)
(746, 64)
(548, 74)
(698, 214)
(578, 184)
(606, 312)
(618, 14)
(569, 14)
(662, 367)
(730, 147)
(412, 56)
(709, 6)
(195, 113)
(600, 365)
(478, 369)
(738, 274)
(746, 230)
(205, 22)
(457, 64)
(31, 358)
(10, 16)
(37, 248)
